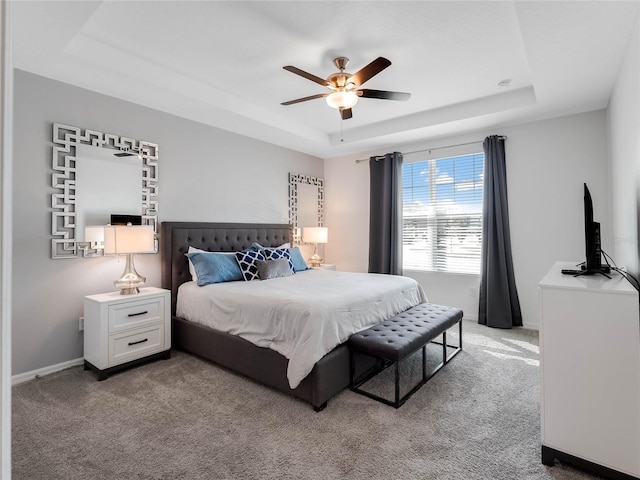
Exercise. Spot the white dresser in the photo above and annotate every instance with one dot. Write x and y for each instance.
(121, 330)
(590, 365)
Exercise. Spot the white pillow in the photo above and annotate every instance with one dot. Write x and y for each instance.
(257, 246)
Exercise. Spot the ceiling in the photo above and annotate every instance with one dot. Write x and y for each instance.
(220, 62)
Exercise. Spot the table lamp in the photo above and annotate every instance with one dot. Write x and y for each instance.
(128, 240)
(315, 235)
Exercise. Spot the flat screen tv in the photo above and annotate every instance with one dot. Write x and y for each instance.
(120, 219)
(593, 251)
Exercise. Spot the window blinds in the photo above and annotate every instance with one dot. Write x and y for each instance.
(442, 214)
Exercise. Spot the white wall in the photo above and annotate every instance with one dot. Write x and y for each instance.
(346, 186)
(547, 163)
(623, 123)
(205, 174)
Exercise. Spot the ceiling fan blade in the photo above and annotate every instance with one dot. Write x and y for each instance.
(307, 75)
(365, 73)
(346, 113)
(304, 99)
(383, 94)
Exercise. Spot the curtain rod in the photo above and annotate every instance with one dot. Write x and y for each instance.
(502, 137)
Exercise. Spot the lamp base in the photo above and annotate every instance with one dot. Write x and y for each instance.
(315, 260)
(130, 281)
(129, 291)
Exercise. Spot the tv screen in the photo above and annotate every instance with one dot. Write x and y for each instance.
(119, 219)
(593, 263)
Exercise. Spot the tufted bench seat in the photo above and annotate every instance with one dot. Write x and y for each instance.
(398, 337)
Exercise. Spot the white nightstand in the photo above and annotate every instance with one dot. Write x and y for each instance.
(123, 330)
(325, 266)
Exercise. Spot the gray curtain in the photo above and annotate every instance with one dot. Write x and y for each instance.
(499, 304)
(385, 214)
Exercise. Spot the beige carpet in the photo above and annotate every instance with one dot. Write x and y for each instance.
(186, 418)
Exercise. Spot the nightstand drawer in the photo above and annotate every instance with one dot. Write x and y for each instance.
(129, 346)
(135, 314)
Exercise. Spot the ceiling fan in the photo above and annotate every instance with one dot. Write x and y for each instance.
(344, 86)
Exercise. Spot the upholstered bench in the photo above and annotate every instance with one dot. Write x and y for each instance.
(400, 336)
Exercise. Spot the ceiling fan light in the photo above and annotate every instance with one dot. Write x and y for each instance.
(342, 99)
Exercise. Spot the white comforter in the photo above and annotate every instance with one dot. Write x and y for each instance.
(302, 317)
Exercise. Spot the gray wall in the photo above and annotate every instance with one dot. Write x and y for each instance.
(205, 174)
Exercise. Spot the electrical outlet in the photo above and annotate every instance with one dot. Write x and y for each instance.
(81, 324)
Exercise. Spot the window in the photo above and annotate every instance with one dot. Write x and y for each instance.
(442, 214)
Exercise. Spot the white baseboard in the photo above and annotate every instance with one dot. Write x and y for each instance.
(41, 372)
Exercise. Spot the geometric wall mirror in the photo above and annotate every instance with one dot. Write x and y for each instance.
(306, 203)
(96, 175)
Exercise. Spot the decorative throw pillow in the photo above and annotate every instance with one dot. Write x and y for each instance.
(247, 263)
(273, 268)
(276, 253)
(299, 265)
(192, 270)
(214, 267)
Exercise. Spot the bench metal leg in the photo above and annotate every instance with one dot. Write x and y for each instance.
(356, 383)
(456, 348)
(444, 347)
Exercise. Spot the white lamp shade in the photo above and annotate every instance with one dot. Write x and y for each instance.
(94, 234)
(315, 234)
(121, 239)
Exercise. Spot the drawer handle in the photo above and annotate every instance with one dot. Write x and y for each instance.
(139, 341)
(136, 314)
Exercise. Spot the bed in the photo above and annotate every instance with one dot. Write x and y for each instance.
(327, 376)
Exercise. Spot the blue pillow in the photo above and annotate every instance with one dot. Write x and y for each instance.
(212, 267)
(299, 265)
(276, 253)
(247, 263)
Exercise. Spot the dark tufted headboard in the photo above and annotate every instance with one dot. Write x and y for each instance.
(214, 237)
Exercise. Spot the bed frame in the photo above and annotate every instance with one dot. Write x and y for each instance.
(329, 376)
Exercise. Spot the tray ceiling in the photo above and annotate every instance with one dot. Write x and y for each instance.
(220, 62)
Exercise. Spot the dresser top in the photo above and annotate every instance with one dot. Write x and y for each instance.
(597, 283)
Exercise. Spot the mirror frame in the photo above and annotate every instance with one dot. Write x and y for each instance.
(63, 179)
(295, 180)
